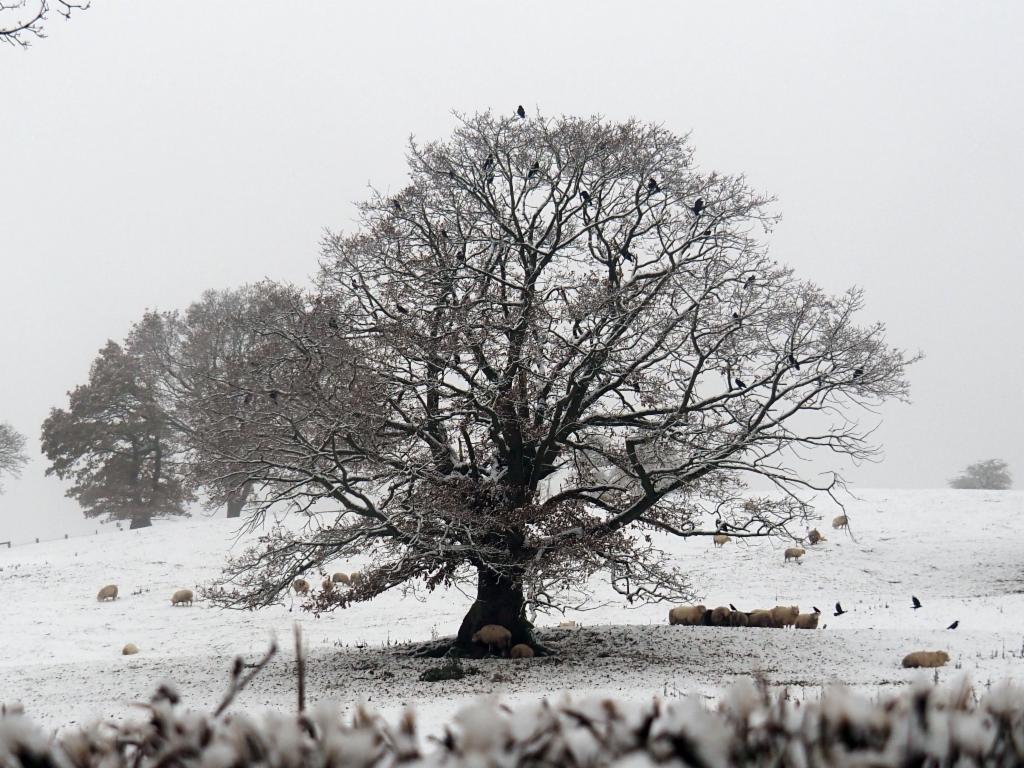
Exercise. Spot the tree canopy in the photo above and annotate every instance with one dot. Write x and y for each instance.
(22, 21)
(561, 336)
(992, 475)
(12, 451)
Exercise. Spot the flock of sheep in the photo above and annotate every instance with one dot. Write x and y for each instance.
(301, 586)
(109, 593)
(783, 615)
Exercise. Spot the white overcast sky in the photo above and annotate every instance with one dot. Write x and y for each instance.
(153, 150)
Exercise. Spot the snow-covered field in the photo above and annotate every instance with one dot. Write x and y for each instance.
(960, 552)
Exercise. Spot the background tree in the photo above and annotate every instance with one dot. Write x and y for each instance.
(21, 21)
(12, 451)
(992, 475)
(115, 444)
(561, 338)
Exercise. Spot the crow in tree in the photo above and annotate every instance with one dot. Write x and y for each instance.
(248, 398)
(707, 232)
(698, 206)
(398, 205)
(534, 170)
(626, 254)
(586, 196)
(750, 283)
(490, 178)
(401, 309)
(736, 316)
(443, 232)
(355, 284)
(489, 163)
(740, 384)
(273, 396)
(916, 602)
(521, 112)
(332, 321)
(793, 362)
(652, 186)
(954, 625)
(839, 610)
(858, 372)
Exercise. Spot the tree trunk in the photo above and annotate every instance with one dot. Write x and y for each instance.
(237, 501)
(499, 600)
(141, 520)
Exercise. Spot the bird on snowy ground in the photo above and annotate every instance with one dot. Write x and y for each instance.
(839, 610)
(916, 602)
(954, 625)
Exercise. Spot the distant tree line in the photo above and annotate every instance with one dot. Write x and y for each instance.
(992, 475)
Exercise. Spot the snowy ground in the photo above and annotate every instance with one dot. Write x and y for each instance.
(961, 553)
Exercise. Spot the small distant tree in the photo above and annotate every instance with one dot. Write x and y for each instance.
(115, 444)
(12, 451)
(990, 475)
(22, 21)
(561, 337)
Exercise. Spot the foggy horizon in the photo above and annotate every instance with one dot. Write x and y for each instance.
(137, 177)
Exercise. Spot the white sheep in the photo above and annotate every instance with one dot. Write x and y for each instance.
(807, 620)
(109, 592)
(182, 597)
(301, 586)
(784, 615)
(794, 553)
(687, 615)
(721, 539)
(840, 522)
(521, 651)
(925, 659)
(493, 635)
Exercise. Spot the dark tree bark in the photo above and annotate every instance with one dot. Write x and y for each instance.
(237, 501)
(141, 520)
(499, 600)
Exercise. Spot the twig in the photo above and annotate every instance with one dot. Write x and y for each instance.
(239, 681)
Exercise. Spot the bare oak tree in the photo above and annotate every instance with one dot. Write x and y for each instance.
(12, 451)
(560, 337)
(21, 21)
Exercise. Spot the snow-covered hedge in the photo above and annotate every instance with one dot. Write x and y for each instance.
(925, 726)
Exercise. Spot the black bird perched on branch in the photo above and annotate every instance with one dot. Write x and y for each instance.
(740, 384)
(916, 602)
(626, 254)
(490, 178)
(586, 196)
(652, 186)
(355, 284)
(332, 321)
(839, 610)
(858, 372)
(793, 362)
(534, 170)
(736, 316)
(401, 309)
(273, 396)
(398, 205)
(489, 163)
(954, 625)
(521, 112)
(698, 206)
(750, 283)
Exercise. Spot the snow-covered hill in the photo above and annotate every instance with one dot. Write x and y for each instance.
(961, 553)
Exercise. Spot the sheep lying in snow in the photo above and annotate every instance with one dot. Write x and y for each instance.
(807, 620)
(493, 636)
(109, 592)
(794, 553)
(760, 618)
(521, 651)
(840, 522)
(568, 624)
(687, 615)
(815, 536)
(301, 586)
(340, 578)
(182, 597)
(925, 659)
(721, 539)
(717, 617)
(784, 615)
(738, 619)
(130, 649)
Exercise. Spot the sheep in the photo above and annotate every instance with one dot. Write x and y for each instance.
(738, 619)
(749, 505)
(807, 620)
(301, 586)
(109, 592)
(784, 615)
(493, 635)
(721, 539)
(794, 553)
(840, 522)
(341, 578)
(328, 584)
(182, 596)
(356, 578)
(718, 617)
(568, 625)
(760, 618)
(925, 659)
(814, 536)
(521, 651)
(130, 649)
(687, 615)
